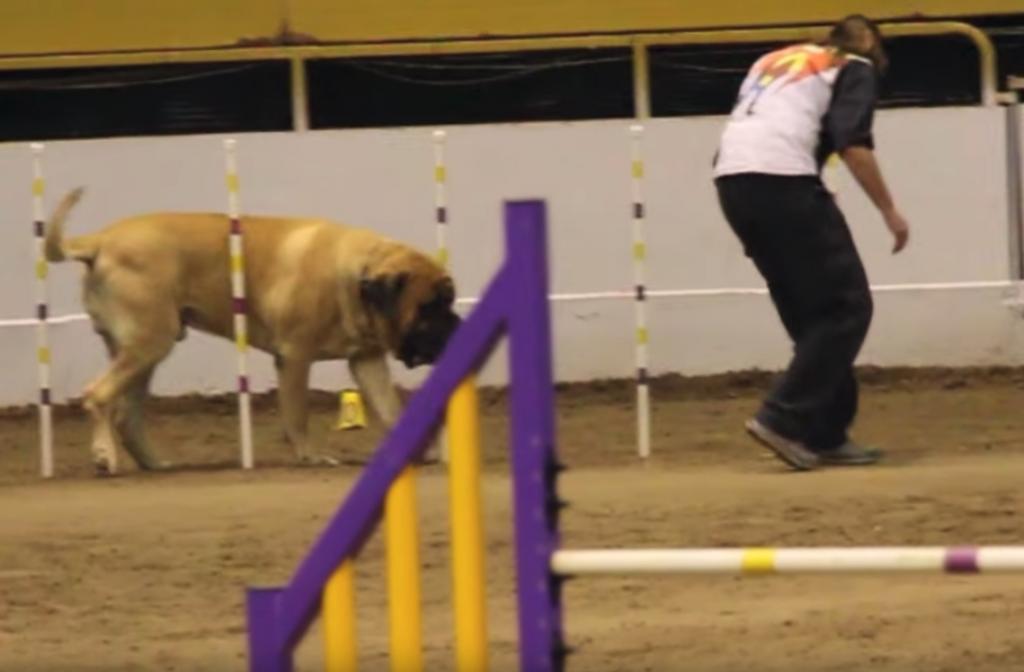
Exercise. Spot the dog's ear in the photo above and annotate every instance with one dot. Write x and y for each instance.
(383, 293)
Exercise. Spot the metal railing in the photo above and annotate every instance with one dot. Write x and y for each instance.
(639, 43)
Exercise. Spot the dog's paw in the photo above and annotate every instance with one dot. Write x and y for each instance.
(159, 466)
(103, 469)
(318, 461)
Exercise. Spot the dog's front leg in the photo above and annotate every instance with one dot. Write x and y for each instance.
(293, 402)
(374, 380)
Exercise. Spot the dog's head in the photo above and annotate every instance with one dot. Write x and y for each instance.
(414, 297)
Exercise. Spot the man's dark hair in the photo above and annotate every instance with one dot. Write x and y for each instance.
(859, 35)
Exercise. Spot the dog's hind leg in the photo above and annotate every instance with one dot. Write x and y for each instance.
(104, 448)
(130, 414)
(132, 359)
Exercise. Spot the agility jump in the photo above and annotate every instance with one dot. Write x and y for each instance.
(515, 303)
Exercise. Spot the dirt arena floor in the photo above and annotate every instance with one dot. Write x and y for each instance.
(146, 572)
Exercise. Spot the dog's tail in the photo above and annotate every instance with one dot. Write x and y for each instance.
(56, 248)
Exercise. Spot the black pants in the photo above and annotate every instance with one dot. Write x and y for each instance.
(793, 231)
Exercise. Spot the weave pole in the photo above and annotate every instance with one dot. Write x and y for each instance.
(643, 391)
(441, 231)
(467, 530)
(238, 301)
(403, 572)
(42, 314)
(440, 200)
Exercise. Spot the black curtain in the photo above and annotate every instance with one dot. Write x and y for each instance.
(471, 89)
(144, 100)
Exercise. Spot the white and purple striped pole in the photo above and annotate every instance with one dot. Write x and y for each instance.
(238, 302)
(440, 201)
(441, 230)
(643, 390)
(42, 314)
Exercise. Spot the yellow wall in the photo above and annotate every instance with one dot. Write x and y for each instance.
(408, 19)
(69, 26)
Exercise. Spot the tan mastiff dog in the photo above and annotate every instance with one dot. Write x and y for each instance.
(316, 291)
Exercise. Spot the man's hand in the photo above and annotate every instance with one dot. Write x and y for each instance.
(898, 227)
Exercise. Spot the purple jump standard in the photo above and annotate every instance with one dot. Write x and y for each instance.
(534, 456)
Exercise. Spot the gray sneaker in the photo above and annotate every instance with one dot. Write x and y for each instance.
(793, 453)
(850, 454)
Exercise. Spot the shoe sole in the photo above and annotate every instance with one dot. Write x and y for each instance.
(792, 454)
(850, 461)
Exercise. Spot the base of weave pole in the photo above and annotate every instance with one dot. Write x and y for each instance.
(245, 429)
(46, 440)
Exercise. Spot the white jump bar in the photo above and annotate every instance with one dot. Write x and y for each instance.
(650, 294)
(956, 560)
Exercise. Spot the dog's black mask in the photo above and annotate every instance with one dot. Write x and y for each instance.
(425, 341)
(423, 336)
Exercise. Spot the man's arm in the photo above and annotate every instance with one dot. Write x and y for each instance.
(861, 162)
(850, 120)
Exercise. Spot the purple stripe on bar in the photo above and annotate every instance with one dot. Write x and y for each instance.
(44, 396)
(642, 377)
(962, 560)
(236, 226)
(641, 293)
(41, 312)
(243, 384)
(442, 215)
(638, 211)
(38, 227)
(238, 305)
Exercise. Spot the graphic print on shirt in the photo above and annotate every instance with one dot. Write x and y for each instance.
(779, 69)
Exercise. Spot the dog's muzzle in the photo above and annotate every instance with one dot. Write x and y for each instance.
(425, 346)
(415, 360)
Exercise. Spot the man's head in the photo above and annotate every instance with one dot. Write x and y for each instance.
(413, 298)
(859, 35)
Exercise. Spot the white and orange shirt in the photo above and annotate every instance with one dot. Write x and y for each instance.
(796, 107)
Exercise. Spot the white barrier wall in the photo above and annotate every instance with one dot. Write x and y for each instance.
(946, 167)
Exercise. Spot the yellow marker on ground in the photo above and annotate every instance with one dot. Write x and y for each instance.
(352, 412)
